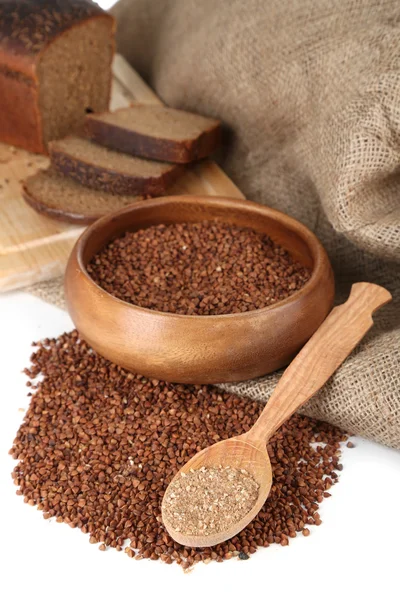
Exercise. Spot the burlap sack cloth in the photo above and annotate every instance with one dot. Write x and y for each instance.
(310, 93)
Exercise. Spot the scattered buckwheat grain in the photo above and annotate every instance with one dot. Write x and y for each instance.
(99, 445)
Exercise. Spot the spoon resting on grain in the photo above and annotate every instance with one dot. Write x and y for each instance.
(246, 454)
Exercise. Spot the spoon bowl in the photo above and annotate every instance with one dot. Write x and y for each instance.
(238, 453)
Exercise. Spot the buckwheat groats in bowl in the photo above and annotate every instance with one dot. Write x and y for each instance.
(206, 268)
(198, 289)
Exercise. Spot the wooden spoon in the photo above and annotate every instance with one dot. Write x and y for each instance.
(338, 335)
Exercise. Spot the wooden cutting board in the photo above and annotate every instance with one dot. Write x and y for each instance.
(34, 248)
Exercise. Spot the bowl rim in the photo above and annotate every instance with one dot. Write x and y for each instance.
(318, 252)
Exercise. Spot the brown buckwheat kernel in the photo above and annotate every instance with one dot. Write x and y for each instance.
(206, 268)
(93, 432)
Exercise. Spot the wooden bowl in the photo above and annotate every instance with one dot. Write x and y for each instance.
(199, 349)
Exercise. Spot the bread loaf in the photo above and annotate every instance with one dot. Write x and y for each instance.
(55, 67)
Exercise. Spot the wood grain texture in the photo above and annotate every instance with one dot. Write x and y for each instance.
(40, 263)
(22, 229)
(20, 226)
(330, 345)
(199, 349)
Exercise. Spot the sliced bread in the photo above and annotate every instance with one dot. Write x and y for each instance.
(155, 132)
(102, 169)
(61, 198)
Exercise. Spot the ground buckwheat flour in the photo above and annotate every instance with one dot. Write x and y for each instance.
(206, 268)
(98, 447)
(209, 500)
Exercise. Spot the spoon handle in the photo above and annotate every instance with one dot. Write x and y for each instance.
(338, 335)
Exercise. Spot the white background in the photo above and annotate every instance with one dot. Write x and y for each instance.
(353, 555)
(106, 4)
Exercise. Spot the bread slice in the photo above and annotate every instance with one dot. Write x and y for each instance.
(155, 132)
(63, 199)
(106, 170)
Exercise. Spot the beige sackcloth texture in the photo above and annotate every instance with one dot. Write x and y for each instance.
(309, 91)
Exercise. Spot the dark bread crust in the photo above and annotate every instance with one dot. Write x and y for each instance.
(110, 180)
(27, 29)
(137, 144)
(28, 26)
(20, 123)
